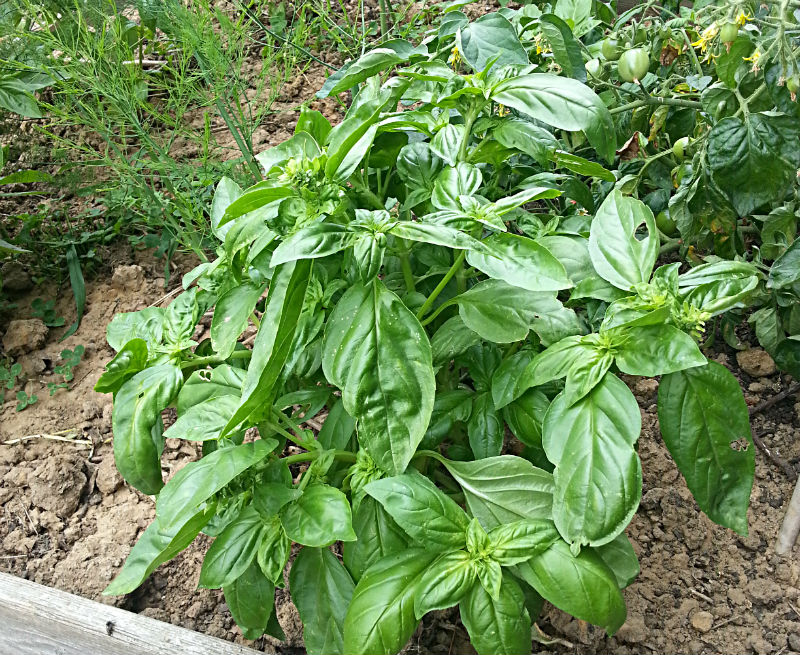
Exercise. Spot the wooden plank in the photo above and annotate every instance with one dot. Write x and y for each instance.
(38, 620)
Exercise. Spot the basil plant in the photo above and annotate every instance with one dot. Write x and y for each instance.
(417, 280)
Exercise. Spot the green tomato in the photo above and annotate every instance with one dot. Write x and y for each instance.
(666, 224)
(639, 34)
(679, 148)
(633, 64)
(793, 84)
(595, 69)
(610, 49)
(728, 32)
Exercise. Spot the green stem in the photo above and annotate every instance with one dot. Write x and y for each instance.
(457, 264)
(692, 53)
(383, 18)
(670, 246)
(215, 359)
(469, 121)
(255, 320)
(657, 100)
(408, 274)
(343, 455)
(284, 433)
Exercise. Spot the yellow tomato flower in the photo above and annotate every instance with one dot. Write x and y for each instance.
(742, 18)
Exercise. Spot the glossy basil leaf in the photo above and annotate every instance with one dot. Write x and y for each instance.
(444, 583)
(715, 272)
(376, 351)
(159, 543)
(447, 142)
(131, 359)
(337, 429)
(617, 254)
(225, 193)
(785, 270)
(319, 517)
(198, 481)
(521, 262)
(582, 586)
(271, 347)
(720, 296)
(313, 241)
(313, 122)
(273, 552)
(255, 203)
(553, 363)
(378, 536)
(452, 339)
(251, 600)
(582, 166)
(303, 145)
(506, 378)
(485, 428)
(449, 407)
(531, 139)
(426, 514)
(380, 619)
(147, 324)
(620, 557)
(565, 47)
(365, 66)
(563, 103)
(597, 476)
(525, 416)
(657, 350)
(514, 543)
(439, 235)
(203, 385)
(231, 316)
(270, 497)
(491, 38)
(702, 413)
(497, 626)
(136, 420)
(203, 421)
(503, 489)
(418, 167)
(453, 182)
(321, 590)
(233, 550)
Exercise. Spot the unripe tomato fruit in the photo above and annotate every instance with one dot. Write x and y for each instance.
(633, 64)
(666, 224)
(639, 34)
(728, 32)
(595, 68)
(679, 148)
(610, 49)
(793, 84)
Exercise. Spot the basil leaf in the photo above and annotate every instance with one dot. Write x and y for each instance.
(204, 385)
(447, 142)
(225, 193)
(365, 66)
(702, 412)
(620, 557)
(380, 619)
(313, 241)
(231, 316)
(439, 235)
(514, 543)
(453, 182)
(251, 600)
(533, 140)
(426, 514)
(147, 324)
(657, 350)
(319, 517)
(233, 550)
(597, 476)
(136, 420)
(452, 339)
(785, 270)
(485, 428)
(378, 536)
(203, 421)
(337, 429)
(525, 416)
(491, 38)
(274, 551)
(505, 380)
(131, 359)
(321, 590)
(566, 49)
(444, 583)
(376, 351)
(419, 167)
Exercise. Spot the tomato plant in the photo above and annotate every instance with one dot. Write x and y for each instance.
(461, 269)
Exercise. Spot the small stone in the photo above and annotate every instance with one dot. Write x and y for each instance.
(794, 642)
(15, 278)
(108, 478)
(757, 387)
(756, 362)
(32, 365)
(128, 278)
(646, 387)
(702, 621)
(24, 336)
(633, 631)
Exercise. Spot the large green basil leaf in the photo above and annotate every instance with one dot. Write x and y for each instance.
(485, 428)
(380, 619)
(319, 517)
(563, 103)
(491, 38)
(447, 142)
(721, 295)
(231, 316)
(224, 194)
(513, 543)
(198, 481)
(147, 324)
(337, 428)
(754, 160)
(439, 235)
(702, 413)
(452, 339)
(313, 241)
(251, 600)
(321, 590)
(136, 420)
(566, 49)
(521, 262)
(620, 557)
(257, 202)
(497, 626)
(533, 140)
(271, 348)
(597, 476)
(376, 351)
(203, 421)
(582, 586)
(525, 416)
(126, 363)
(506, 377)
(444, 583)
(617, 254)
(366, 66)
(202, 385)
(378, 536)
(233, 550)
(158, 544)
(785, 270)
(418, 167)
(453, 182)
(422, 510)
(504, 489)
(653, 350)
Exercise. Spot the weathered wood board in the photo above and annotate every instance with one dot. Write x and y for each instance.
(38, 620)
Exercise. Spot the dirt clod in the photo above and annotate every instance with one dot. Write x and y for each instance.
(128, 278)
(702, 621)
(633, 631)
(756, 362)
(24, 336)
(108, 478)
(57, 485)
(15, 278)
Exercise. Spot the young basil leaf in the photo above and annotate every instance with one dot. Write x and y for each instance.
(198, 481)
(491, 39)
(503, 489)
(380, 619)
(598, 476)
(225, 193)
(137, 425)
(313, 241)
(251, 600)
(485, 428)
(702, 413)
(514, 543)
(378, 536)
(273, 552)
(321, 590)
(231, 316)
(506, 377)
(553, 363)
(620, 557)
(203, 421)
(490, 576)
(497, 626)
(422, 510)
(337, 429)
(447, 142)
(376, 351)
(147, 324)
(233, 550)
(159, 543)
(784, 271)
(582, 586)
(657, 350)
(204, 385)
(617, 254)
(452, 339)
(525, 416)
(453, 182)
(319, 517)
(126, 363)
(313, 122)
(444, 583)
